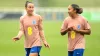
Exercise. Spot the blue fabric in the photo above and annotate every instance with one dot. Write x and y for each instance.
(70, 53)
(35, 49)
(76, 52)
(27, 51)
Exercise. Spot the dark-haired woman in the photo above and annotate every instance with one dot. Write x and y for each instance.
(32, 28)
(76, 26)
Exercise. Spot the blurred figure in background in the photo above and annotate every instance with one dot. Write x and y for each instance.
(76, 26)
(32, 28)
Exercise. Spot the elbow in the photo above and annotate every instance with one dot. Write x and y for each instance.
(89, 32)
(62, 33)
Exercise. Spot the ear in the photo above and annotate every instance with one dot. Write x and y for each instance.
(74, 11)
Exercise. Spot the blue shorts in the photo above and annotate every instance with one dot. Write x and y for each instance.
(76, 52)
(35, 49)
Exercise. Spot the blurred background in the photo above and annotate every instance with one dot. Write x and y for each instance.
(53, 13)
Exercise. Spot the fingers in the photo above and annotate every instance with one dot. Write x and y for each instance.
(15, 39)
(47, 45)
(70, 29)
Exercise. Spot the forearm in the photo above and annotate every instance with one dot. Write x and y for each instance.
(87, 32)
(20, 33)
(41, 32)
(63, 32)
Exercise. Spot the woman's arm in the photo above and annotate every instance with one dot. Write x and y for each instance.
(41, 33)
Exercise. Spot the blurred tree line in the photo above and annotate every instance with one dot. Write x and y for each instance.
(50, 3)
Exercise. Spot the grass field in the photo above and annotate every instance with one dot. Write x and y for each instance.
(58, 43)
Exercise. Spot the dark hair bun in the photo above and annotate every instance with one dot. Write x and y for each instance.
(80, 11)
(77, 8)
(27, 1)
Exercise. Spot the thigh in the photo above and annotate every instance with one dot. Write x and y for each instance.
(27, 51)
(33, 54)
(78, 52)
(70, 53)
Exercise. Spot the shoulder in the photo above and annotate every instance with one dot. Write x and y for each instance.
(22, 17)
(38, 16)
(83, 18)
(67, 19)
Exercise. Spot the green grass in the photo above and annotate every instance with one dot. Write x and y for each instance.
(58, 43)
